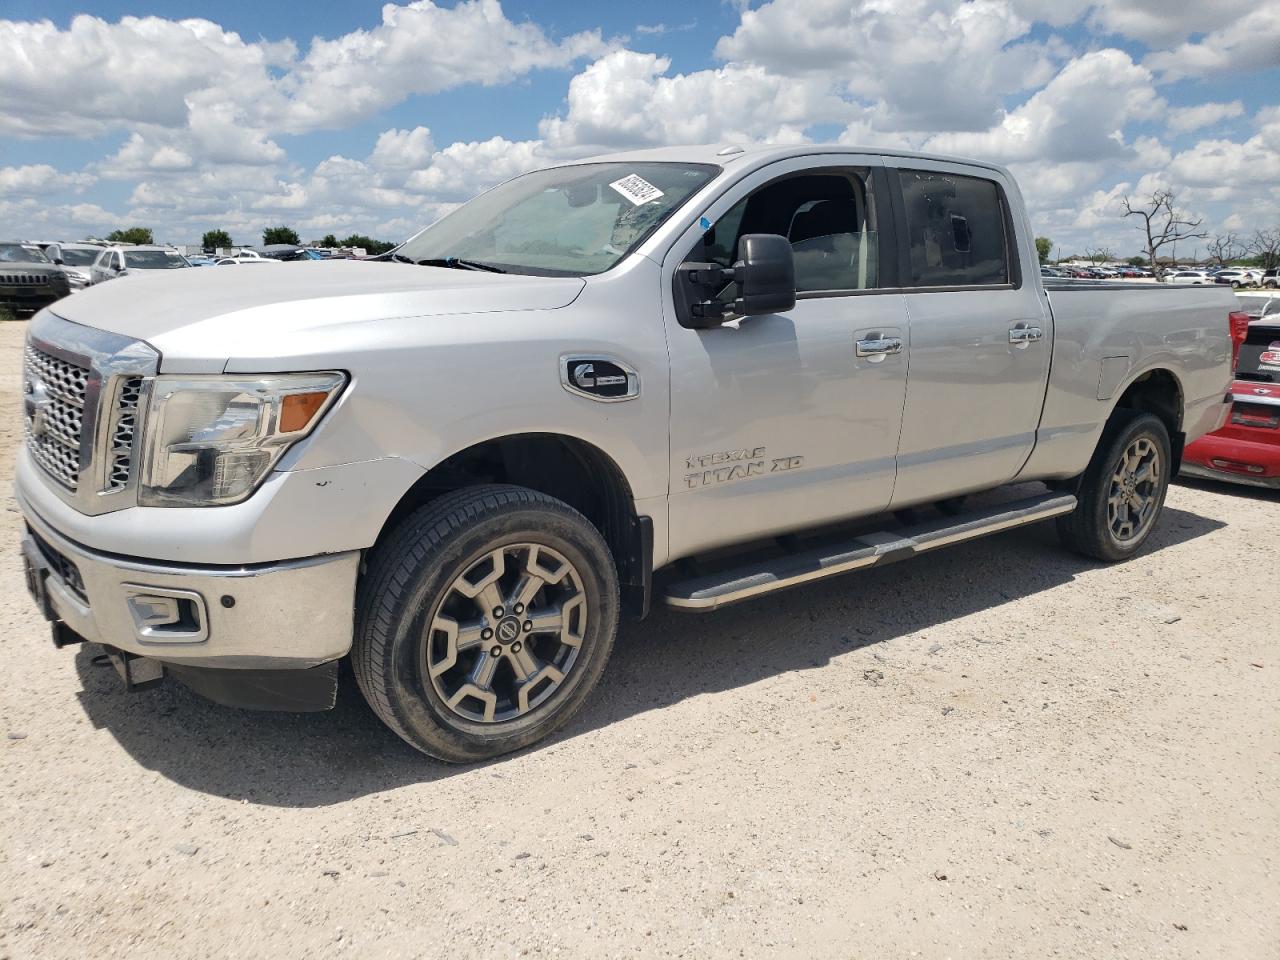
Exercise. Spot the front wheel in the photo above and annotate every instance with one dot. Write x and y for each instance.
(1122, 490)
(484, 622)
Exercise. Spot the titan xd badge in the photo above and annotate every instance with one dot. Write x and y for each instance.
(725, 465)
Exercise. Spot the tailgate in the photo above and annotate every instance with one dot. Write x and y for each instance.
(1259, 360)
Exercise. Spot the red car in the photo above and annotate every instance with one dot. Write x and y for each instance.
(1247, 448)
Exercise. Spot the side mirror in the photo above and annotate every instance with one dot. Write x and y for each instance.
(766, 278)
(58, 261)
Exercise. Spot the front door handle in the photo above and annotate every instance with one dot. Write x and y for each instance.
(1023, 336)
(878, 348)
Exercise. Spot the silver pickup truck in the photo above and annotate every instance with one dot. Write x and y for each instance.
(742, 370)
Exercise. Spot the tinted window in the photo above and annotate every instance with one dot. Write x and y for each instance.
(829, 219)
(956, 230)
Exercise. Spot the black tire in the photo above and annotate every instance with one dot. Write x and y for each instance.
(1089, 528)
(416, 571)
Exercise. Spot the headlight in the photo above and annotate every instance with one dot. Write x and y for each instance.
(211, 440)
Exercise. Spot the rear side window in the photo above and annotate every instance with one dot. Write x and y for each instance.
(956, 230)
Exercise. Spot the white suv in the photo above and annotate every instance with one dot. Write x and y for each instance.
(121, 261)
(1196, 277)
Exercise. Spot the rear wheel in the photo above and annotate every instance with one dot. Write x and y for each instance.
(1122, 491)
(485, 621)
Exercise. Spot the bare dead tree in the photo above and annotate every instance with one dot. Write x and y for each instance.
(1099, 254)
(1224, 248)
(1163, 223)
(1266, 244)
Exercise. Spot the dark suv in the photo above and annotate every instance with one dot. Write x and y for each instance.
(28, 280)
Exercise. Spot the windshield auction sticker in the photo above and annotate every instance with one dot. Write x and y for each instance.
(636, 189)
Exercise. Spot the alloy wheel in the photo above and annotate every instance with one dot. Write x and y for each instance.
(506, 634)
(1134, 495)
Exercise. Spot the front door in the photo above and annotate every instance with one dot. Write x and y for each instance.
(980, 335)
(784, 421)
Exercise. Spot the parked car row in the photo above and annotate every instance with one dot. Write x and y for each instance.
(1235, 277)
(1069, 272)
(33, 275)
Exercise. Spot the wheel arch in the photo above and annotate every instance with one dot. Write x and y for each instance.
(1156, 390)
(562, 466)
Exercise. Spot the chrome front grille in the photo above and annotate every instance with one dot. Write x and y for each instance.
(55, 396)
(25, 279)
(85, 402)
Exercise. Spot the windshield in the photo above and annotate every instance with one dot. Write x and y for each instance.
(567, 221)
(154, 260)
(79, 258)
(16, 253)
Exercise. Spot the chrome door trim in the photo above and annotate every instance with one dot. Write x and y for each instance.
(876, 349)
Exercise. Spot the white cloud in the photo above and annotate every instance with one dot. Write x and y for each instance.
(934, 63)
(1185, 119)
(40, 178)
(1161, 22)
(420, 48)
(41, 220)
(1080, 115)
(1230, 165)
(1250, 43)
(96, 76)
(626, 100)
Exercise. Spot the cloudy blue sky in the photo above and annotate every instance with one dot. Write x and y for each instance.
(341, 117)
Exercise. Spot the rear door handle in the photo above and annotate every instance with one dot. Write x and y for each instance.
(1023, 337)
(878, 348)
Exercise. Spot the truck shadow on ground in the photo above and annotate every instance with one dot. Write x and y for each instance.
(316, 759)
(1230, 489)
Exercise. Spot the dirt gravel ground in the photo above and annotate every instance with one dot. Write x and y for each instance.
(1000, 750)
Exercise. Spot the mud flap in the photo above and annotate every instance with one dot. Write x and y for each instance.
(298, 691)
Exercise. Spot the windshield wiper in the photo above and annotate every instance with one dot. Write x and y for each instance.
(400, 258)
(457, 263)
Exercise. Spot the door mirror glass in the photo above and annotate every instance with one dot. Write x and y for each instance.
(765, 278)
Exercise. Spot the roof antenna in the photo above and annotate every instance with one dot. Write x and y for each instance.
(729, 150)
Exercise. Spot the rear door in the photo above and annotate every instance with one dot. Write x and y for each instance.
(980, 337)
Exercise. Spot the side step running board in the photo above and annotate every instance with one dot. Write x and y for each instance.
(867, 550)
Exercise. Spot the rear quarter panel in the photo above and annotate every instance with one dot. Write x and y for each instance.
(1106, 336)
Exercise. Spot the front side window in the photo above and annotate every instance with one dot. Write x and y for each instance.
(567, 221)
(956, 230)
(829, 218)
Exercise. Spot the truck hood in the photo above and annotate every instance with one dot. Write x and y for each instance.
(208, 309)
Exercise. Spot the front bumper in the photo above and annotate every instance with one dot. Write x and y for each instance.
(287, 615)
(29, 301)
